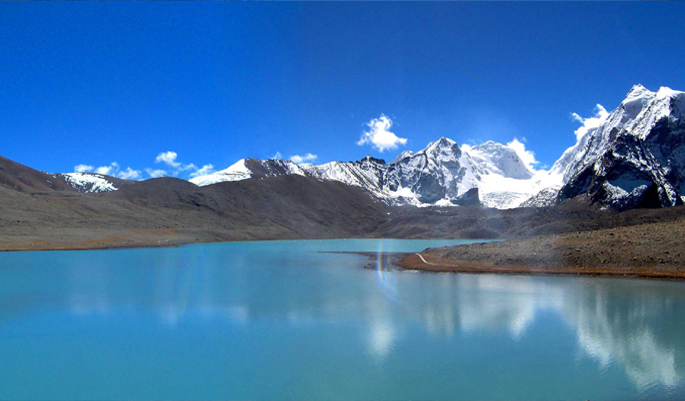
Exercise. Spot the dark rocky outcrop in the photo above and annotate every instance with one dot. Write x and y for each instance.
(469, 198)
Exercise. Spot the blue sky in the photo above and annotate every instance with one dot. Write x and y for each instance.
(97, 83)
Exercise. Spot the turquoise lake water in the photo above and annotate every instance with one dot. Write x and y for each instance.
(279, 320)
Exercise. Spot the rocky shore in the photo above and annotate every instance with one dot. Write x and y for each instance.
(646, 250)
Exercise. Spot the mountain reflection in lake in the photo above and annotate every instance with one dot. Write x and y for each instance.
(274, 320)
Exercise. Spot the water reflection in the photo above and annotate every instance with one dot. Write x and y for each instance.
(500, 302)
(637, 325)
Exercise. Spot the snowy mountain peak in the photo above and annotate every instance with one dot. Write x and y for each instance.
(272, 167)
(236, 172)
(440, 174)
(665, 92)
(496, 158)
(403, 155)
(443, 141)
(371, 159)
(440, 144)
(637, 90)
(640, 92)
(635, 156)
(635, 101)
(442, 150)
(635, 116)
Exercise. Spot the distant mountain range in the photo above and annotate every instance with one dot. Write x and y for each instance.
(634, 158)
(437, 175)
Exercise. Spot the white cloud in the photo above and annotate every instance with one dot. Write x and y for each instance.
(130, 174)
(278, 155)
(83, 168)
(108, 170)
(113, 169)
(601, 115)
(155, 173)
(206, 169)
(186, 167)
(379, 135)
(527, 156)
(308, 158)
(168, 158)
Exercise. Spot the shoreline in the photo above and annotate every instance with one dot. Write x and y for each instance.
(413, 262)
(650, 250)
(406, 262)
(168, 244)
(480, 258)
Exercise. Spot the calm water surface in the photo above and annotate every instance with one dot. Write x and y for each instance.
(279, 320)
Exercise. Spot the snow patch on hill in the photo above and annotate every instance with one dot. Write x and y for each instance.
(88, 182)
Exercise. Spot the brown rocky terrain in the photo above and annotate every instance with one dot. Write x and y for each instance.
(168, 211)
(645, 250)
(25, 179)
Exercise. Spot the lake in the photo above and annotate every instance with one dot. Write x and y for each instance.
(281, 320)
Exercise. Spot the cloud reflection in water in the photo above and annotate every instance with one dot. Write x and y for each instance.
(628, 323)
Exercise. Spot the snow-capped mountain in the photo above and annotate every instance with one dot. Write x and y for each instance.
(439, 174)
(249, 168)
(631, 157)
(236, 172)
(495, 158)
(634, 158)
(91, 182)
(368, 173)
(443, 172)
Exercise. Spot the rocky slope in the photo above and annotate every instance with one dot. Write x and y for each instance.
(644, 250)
(25, 179)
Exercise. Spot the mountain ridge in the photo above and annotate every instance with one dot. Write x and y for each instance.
(433, 176)
(633, 157)
(171, 211)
